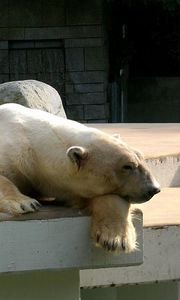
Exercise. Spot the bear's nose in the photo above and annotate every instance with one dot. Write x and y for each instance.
(153, 191)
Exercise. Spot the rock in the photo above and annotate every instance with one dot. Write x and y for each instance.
(33, 94)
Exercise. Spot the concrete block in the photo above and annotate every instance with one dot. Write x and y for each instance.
(21, 76)
(33, 13)
(85, 77)
(89, 98)
(3, 45)
(22, 14)
(48, 44)
(34, 61)
(15, 33)
(54, 79)
(63, 32)
(87, 42)
(94, 59)
(69, 88)
(75, 59)
(21, 44)
(42, 33)
(4, 78)
(83, 12)
(75, 112)
(4, 13)
(18, 61)
(89, 88)
(3, 34)
(46, 246)
(98, 121)
(53, 13)
(4, 61)
(11, 34)
(16, 13)
(47, 284)
(53, 60)
(93, 112)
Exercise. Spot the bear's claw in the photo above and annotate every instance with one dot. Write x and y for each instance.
(20, 205)
(114, 240)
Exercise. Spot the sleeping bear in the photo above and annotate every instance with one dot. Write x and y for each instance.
(42, 155)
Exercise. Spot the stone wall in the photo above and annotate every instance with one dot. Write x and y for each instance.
(60, 42)
(153, 100)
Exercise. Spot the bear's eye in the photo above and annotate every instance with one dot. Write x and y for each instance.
(128, 167)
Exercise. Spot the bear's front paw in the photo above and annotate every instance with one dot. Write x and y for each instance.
(117, 237)
(19, 205)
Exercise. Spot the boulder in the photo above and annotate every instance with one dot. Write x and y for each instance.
(33, 94)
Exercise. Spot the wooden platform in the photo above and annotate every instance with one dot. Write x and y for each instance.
(163, 209)
(154, 140)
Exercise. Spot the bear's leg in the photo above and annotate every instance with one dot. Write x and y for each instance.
(13, 201)
(111, 225)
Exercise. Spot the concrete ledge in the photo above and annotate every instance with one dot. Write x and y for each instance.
(161, 262)
(57, 238)
(161, 246)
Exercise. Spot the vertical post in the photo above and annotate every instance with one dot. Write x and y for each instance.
(40, 285)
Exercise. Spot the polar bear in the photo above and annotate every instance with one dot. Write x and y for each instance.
(42, 155)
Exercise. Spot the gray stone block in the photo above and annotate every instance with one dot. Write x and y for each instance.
(89, 88)
(98, 121)
(54, 79)
(18, 61)
(53, 60)
(4, 34)
(21, 44)
(75, 59)
(69, 88)
(85, 77)
(4, 78)
(84, 12)
(53, 13)
(16, 13)
(24, 14)
(34, 61)
(75, 112)
(95, 112)
(4, 7)
(48, 44)
(4, 61)
(94, 59)
(11, 34)
(85, 43)
(3, 45)
(63, 32)
(90, 98)
(21, 76)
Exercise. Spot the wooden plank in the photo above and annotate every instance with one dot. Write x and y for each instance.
(163, 209)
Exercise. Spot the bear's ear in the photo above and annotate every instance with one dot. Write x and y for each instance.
(117, 136)
(77, 155)
(139, 154)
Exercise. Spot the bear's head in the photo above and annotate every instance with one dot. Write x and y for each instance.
(106, 165)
